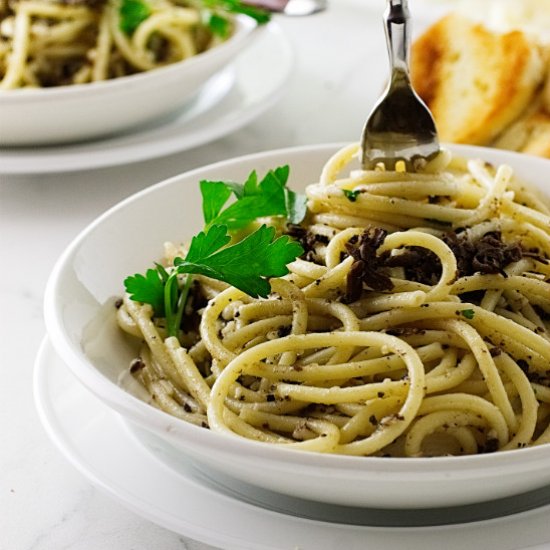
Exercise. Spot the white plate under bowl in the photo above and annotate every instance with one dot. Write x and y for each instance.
(229, 100)
(80, 319)
(65, 114)
(167, 489)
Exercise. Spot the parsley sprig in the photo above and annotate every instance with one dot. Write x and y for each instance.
(255, 199)
(246, 265)
(132, 13)
(351, 195)
(468, 313)
(148, 288)
(260, 15)
(214, 13)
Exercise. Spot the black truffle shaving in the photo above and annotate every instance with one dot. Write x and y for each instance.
(367, 267)
(307, 239)
(488, 255)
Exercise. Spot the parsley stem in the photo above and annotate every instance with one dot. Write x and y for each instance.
(181, 303)
(174, 302)
(170, 294)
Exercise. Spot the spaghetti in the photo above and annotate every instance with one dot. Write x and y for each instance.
(54, 42)
(417, 323)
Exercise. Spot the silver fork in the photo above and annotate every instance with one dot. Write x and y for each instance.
(400, 127)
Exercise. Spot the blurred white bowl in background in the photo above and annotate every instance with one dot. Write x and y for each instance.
(47, 116)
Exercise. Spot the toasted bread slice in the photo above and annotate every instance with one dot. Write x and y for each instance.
(475, 81)
(539, 137)
(530, 134)
(545, 95)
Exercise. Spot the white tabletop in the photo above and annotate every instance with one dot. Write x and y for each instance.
(45, 504)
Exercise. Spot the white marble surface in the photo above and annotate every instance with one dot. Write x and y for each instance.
(45, 504)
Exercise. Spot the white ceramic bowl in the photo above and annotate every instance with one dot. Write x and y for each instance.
(63, 114)
(80, 321)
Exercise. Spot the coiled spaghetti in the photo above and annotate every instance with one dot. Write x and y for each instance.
(417, 323)
(54, 42)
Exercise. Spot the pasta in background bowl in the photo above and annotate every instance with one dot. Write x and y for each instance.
(90, 110)
(81, 322)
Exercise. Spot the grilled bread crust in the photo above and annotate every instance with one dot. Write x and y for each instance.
(530, 134)
(476, 82)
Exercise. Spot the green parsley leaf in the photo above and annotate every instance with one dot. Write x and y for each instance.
(282, 173)
(259, 200)
(218, 25)
(162, 272)
(205, 244)
(132, 13)
(148, 289)
(268, 197)
(260, 15)
(246, 265)
(296, 206)
(250, 186)
(468, 313)
(214, 196)
(351, 195)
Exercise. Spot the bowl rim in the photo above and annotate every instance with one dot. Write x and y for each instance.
(245, 27)
(344, 466)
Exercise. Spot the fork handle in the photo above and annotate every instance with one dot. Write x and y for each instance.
(397, 36)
